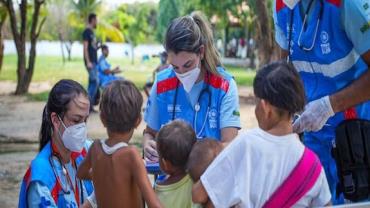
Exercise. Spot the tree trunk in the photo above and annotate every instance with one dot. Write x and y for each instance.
(61, 47)
(132, 54)
(1, 47)
(264, 33)
(69, 49)
(24, 71)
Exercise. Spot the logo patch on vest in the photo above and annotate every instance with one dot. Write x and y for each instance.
(213, 118)
(325, 45)
(171, 109)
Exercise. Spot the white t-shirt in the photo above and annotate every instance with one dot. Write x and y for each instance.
(253, 166)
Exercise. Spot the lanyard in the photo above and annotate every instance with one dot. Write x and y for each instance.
(303, 28)
(197, 105)
(75, 186)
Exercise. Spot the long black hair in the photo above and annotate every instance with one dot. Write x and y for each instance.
(59, 97)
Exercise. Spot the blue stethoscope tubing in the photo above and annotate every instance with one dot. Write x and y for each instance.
(304, 24)
(196, 107)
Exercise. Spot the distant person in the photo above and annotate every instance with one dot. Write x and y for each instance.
(116, 168)
(90, 48)
(106, 74)
(220, 46)
(163, 65)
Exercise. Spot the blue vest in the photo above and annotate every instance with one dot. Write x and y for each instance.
(214, 89)
(42, 171)
(332, 64)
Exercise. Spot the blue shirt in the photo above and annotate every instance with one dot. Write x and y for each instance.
(39, 194)
(105, 79)
(229, 108)
(355, 18)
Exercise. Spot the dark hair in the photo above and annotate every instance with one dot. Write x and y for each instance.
(120, 106)
(201, 156)
(189, 33)
(280, 85)
(91, 17)
(60, 96)
(174, 142)
(104, 47)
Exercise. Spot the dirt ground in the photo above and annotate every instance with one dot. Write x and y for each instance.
(20, 120)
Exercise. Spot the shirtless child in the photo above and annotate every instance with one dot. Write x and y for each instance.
(117, 169)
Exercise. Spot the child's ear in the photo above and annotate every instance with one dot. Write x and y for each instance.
(138, 121)
(166, 164)
(266, 107)
(103, 119)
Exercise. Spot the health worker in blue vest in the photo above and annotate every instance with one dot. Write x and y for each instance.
(195, 88)
(329, 44)
(51, 180)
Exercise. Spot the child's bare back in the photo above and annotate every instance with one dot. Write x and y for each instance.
(115, 176)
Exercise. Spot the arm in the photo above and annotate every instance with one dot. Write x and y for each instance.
(230, 114)
(228, 134)
(84, 170)
(151, 116)
(198, 193)
(150, 145)
(355, 19)
(86, 54)
(112, 71)
(141, 178)
(355, 93)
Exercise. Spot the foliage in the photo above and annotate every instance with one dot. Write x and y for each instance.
(136, 21)
(168, 10)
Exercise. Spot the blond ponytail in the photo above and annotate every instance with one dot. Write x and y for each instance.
(211, 56)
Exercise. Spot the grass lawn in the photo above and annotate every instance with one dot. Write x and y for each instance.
(52, 69)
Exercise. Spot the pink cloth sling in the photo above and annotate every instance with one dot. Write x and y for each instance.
(302, 178)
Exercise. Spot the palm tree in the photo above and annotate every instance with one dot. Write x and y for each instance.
(84, 7)
(80, 12)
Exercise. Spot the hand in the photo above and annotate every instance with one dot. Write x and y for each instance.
(117, 70)
(89, 65)
(150, 151)
(315, 115)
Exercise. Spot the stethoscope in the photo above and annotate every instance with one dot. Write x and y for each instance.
(66, 175)
(304, 25)
(197, 106)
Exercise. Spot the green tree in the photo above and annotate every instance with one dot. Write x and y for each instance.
(137, 22)
(19, 31)
(168, 10)
(255, 17)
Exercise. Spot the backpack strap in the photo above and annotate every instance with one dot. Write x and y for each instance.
(302, 178)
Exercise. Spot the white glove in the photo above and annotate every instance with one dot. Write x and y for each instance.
(315, 115)
(92, 200)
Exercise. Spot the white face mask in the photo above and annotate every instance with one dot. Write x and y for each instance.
(291, 3)
(74, 137)
(189, 78)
